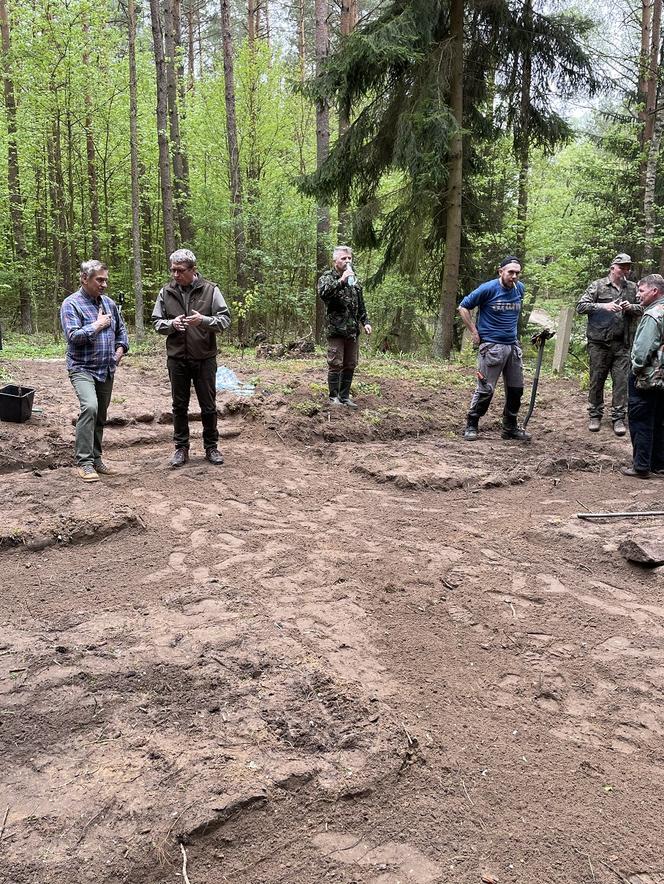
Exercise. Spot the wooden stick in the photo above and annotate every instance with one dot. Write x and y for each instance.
(2, 828)
(184, 865)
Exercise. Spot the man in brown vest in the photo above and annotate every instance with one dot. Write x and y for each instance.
(191, 311)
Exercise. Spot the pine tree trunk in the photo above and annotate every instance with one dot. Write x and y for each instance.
(645, 62)
(251, 23)
(162, 131)
(322, 151)
(135, 195)
(234, 160)
(649, 192)
(14, 179)
(190, 46)
(348, 22)
(301, 41)
(63, 284)
(180, 164)
(90, 153)
(653, 69)
(444, 334)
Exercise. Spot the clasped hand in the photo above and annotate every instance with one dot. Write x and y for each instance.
(182, 322)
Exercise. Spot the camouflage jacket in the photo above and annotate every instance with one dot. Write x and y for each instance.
(344, 304)
(605, 326)
(647, 356)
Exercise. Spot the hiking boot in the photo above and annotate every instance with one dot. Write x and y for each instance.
(517, 433)
(180, 457)
(619, 427)
(88, 473)
(214, 456)
(334, 402)
(471, 433)
(635, 474)
(349, 403)
(594, 424)
(104, 470)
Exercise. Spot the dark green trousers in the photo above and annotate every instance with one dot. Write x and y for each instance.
(608, 359)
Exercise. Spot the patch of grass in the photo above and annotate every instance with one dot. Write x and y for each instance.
(375, 416)
(36, 346)
(315, 387)
(307, 408)
(118, 400)
(367, 389)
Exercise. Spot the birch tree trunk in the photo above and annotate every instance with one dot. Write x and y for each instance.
(444, 334)
(165, 177)
(14, 178)
(135, 194)
(322, 151)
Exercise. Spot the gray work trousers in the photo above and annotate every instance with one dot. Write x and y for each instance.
(494, 360)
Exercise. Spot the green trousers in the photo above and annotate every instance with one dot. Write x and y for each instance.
(94, 397)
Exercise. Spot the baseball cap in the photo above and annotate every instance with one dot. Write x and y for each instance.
(622, 258)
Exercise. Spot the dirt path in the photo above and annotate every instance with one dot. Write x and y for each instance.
(396, 658)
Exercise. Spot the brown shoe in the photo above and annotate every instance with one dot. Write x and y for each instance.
(619, 428)
(88, 473)
(214, 456)
(635, 474)
(180, 457)
(594, 424)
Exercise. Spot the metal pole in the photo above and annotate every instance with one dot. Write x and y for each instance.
(627, 515)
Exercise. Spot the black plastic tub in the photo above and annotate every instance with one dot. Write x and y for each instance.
(16, 403)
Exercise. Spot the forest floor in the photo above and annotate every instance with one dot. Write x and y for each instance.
(360, 651)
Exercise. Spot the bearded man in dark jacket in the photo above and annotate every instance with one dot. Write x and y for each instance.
(341, 293)
(191, 311)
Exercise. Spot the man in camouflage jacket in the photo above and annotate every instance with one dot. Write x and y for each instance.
(646, 382)
(612, 311)
(346, 314)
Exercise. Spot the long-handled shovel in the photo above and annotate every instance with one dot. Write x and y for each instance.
(540, 339)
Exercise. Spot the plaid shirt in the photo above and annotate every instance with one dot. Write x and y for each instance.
(87, 349)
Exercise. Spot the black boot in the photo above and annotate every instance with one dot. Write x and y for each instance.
(333, 380)
(478, 410)
(471, 431)
(511, 430)
(344, 389)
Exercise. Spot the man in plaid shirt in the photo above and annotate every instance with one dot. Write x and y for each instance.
(96, 342)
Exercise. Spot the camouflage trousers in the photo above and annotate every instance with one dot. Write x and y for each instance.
(610, 358)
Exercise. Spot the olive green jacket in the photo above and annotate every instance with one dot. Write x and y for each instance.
(647, 356)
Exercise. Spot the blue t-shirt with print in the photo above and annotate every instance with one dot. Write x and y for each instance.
(498, 310)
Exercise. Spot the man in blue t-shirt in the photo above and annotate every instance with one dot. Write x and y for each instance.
(499, 304)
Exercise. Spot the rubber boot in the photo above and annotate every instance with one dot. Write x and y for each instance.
(511, 430)
(477, 410)
(471, 431)
(344, 389)
(333, 381)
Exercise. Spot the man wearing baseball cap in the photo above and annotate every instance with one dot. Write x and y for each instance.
(613, 312)
(498, 303)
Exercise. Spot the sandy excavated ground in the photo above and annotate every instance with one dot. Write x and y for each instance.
(360, 651)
